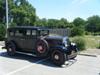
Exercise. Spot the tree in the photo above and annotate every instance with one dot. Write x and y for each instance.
(78, 28)
(62, 23)
(2, 31)
(2, 10)
(41, 22)
(52, 23)
(93, 24)
(75, 31)
(79, 22)
(22, 13)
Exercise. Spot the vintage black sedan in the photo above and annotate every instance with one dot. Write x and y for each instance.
(38, 41)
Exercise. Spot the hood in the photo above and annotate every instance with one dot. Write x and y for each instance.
(54, 37)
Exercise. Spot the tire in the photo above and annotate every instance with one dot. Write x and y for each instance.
(42, 48)
(73, 55)
(11, 49)
(58, 57)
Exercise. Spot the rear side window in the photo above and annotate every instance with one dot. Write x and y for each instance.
(18, 33)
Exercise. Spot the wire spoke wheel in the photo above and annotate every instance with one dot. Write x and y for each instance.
(58, 57)
(41, 48)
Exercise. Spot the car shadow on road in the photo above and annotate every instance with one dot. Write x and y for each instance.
(32, 59)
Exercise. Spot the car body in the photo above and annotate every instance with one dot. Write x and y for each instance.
(38, 41)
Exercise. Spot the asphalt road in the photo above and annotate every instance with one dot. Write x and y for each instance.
(29, 65)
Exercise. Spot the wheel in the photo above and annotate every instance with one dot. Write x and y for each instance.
(11, 48)
(73, 55)
(58, 57)
(41, 48)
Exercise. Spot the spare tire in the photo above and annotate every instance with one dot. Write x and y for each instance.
(41, 48)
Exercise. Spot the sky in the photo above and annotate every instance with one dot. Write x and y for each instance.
(69, 9)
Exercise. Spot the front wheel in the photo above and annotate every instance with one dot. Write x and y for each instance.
(58, 57)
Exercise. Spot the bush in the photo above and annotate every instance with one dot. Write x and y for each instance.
(80, 42)
(76, 31)
(99, 46)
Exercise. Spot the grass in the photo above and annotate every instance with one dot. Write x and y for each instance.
(92, 42)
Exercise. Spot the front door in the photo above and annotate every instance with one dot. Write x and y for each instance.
(30, 40)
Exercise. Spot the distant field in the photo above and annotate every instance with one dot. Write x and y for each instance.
(92, 42)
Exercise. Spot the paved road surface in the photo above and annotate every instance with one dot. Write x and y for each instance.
(28, 65)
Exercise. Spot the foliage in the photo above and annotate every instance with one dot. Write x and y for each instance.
(21, 12)
(91, 42)
(77, 31)
(80, 42)
(2, 31)
(98, 46)
(79, 22)
(93, 24)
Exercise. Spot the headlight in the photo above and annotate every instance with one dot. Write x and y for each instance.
(65, 42)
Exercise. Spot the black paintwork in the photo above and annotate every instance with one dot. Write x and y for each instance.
(26, 43)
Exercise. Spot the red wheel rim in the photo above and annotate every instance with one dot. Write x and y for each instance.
(40, 49)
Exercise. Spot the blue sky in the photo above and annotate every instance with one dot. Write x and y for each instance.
(69, 9)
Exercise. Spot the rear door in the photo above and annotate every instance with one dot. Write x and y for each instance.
(19, 38)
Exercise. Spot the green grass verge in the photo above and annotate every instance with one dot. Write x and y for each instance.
(92, 42)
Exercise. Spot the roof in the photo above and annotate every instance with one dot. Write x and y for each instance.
(29, 27)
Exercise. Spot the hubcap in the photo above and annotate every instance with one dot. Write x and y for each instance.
(56, 57)
(10, 49)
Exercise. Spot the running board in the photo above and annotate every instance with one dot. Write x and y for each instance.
(26, 53)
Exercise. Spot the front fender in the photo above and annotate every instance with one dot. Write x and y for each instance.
(74, 47)
(61, 48)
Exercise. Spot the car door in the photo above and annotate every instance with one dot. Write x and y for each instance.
(19, 38)
(30, 40)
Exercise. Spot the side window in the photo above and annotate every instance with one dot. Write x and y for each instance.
(28, 32)
(33, 32)
(20, 33)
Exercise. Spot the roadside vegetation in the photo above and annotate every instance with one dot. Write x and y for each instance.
(22, 13)
(87, 41)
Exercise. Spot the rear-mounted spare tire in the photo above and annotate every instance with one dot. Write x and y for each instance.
(41, 48)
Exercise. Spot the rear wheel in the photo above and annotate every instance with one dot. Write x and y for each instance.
(58, 57)
(11, 48)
